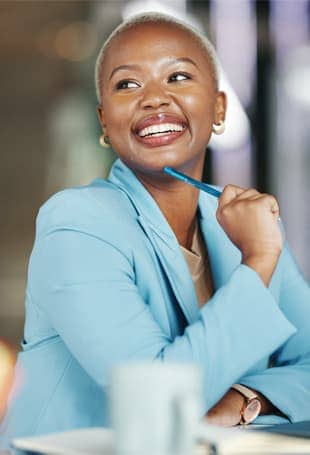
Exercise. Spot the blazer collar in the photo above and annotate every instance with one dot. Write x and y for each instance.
(143, 202)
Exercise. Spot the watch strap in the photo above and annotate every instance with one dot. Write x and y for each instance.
(245, 391)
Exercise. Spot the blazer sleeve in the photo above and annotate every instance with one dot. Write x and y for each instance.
(287, 383)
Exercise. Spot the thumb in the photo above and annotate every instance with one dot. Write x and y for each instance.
(229, 193)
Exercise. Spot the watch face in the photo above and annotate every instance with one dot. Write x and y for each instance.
(252, 410)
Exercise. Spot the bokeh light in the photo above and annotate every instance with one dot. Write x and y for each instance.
(76, 41)
(7, 362)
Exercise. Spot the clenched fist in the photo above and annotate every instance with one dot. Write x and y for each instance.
(250, 220)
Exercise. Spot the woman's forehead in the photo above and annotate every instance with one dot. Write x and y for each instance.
(147, 28)
(145, 37)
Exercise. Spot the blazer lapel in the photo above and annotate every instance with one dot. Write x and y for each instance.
(224, 257)
(173, 263)
(162, 238)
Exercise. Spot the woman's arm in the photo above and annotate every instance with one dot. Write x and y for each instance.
(227, 412)
(87, 288)
(287, 383)
(285, 387)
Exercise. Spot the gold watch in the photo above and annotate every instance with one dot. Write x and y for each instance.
(251, 406)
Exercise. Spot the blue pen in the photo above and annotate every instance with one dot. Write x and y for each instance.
(185, 178)
(204, 187)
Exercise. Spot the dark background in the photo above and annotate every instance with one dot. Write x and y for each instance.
(49, 130)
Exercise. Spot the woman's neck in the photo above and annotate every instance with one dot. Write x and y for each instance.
(178, 203)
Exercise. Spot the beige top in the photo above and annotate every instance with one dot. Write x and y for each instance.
(198, 264)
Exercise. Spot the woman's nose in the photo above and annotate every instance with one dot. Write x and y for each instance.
(154, 96)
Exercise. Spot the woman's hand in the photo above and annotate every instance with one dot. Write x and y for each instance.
(250, 219)
(227, 412)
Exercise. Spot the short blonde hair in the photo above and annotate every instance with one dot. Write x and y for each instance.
(154, 18)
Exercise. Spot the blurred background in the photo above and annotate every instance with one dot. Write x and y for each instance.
(49, 129)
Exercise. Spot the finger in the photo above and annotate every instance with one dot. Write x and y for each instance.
(229, 193)
(269, 201)
(272, 203)
(252, 194)
(249, 193)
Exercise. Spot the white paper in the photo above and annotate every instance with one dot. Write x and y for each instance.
(239, 441)
(86, 441)
(229, 441)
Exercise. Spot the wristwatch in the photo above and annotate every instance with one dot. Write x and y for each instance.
(251, 406)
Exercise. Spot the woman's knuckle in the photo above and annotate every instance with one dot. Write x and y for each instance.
(228, 188)
(225, 211)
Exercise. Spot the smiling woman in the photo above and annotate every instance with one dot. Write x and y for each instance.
(142, 266)
(174, 87)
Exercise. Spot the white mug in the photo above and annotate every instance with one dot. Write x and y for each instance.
(155, 408)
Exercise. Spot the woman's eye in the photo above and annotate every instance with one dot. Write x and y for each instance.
(121, 85)
(176, 77)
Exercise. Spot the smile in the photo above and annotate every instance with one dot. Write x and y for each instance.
(161, 129)
(156, 130)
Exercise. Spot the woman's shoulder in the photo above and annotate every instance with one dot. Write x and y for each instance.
(98, 192)
(100, 203)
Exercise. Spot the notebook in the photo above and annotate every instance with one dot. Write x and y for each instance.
(298, 429)
(210, 440)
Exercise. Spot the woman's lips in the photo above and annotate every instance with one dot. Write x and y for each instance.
(160, 139)
(160, 129)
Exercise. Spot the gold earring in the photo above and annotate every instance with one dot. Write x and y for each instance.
(218, 128)
(104, 141)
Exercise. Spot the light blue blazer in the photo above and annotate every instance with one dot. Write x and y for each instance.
(108, 283)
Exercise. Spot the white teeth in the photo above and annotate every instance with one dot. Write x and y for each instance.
(161, 128)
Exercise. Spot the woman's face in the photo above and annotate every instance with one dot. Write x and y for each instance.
(159, 99)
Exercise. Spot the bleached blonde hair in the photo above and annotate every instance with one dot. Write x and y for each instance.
(154, 18)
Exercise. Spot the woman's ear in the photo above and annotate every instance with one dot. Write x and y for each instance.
(220, 107)
(101, 116)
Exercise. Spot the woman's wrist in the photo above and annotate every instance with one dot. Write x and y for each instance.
(266, 406)
(228, 411)
(264, 265)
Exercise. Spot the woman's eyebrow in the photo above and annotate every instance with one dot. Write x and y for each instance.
(136, 67)
(182, 59)
(123, 67)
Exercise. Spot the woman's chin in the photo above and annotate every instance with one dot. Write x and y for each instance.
(152, 162)
(158, 165)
